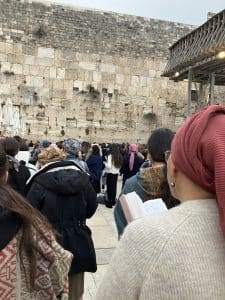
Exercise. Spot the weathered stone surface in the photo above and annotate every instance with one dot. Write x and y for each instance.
(93, 73)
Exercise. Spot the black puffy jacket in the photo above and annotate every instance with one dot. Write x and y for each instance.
(63, 193)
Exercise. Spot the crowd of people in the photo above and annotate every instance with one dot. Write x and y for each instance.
(49, 189)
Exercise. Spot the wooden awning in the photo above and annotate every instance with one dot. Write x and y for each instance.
(202, 51)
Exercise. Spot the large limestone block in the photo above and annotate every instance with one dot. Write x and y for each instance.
(5, 89)
(58, 84)
(135, 81)
(60, 73)
(68, 85)
(58, 93)
(29, 60)
(17, 48)
(34, 70)
(143, 81)
(26, 70)
(46, 52)
(43, 61)
(47, 82)
(11, 58)
(87, 65)
(38, 81)
(44, 92)
(3, 57)
(52, 72)
(71, 74)
(81, 75)
(119, 79)
(8, 48)
(109, 68)
(17, 68)
(97, 76)
(78, 84)
(5, 66)
(30, 81)
(132, 91)
(44, 71)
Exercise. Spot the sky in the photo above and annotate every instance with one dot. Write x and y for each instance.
(183, 11)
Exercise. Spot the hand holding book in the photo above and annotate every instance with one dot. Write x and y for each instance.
(134, 208)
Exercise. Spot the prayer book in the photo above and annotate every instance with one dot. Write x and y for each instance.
(134, 208)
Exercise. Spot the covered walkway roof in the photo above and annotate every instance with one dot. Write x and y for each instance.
(202, 51)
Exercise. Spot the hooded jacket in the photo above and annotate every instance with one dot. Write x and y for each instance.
(63, 193)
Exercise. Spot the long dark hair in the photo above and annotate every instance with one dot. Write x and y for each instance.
(167, 197)
(32, 224)
(116, 155)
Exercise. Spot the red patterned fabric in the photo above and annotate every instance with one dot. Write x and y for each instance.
(51, 280)
(198, 150)
(8, 271)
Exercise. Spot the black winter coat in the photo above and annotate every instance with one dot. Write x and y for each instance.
(125, 169)
(63, 193)
(17, 178)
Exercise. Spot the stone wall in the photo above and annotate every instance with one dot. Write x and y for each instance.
(88, 74)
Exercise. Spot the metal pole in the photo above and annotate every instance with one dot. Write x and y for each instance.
(200, 94)
(189, 91)
(212, 83)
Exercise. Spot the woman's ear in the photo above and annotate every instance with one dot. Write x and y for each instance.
(5, 178)
(171, 171)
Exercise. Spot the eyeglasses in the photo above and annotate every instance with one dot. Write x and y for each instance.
(167, 155)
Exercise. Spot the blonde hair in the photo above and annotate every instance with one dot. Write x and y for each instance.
(51, 154)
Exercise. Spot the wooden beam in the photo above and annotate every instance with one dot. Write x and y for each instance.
(189, 91)
(200, 94)
(211, 93)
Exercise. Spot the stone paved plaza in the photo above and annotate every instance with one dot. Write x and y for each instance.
(105, 239)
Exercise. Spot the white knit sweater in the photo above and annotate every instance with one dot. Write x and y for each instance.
(177, 255)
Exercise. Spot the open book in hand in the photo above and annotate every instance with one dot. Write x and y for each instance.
(134, 208)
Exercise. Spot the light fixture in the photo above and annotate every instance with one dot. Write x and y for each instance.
(220, 55)
(176, 74)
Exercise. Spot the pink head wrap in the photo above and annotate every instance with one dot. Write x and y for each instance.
(132, 151)
(198, 150)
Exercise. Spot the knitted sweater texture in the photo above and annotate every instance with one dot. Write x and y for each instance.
(177, 255)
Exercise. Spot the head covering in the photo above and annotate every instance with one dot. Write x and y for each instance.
(198, 151)
(44, 144)
(72, 146)
(51, 154)
(132, 151)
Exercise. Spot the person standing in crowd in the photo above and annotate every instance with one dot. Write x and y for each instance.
(28, 249)
(44, 144)
(123, 149)
(180, 254)
(85, 147)
(23, 156)
(131, 163)
(62, 192)
(18, 173)
(150, 182)
(95, 165)
(73, 149)
(112, 169)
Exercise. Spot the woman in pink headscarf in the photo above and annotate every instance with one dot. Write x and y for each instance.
(131, 163)
(180, 254)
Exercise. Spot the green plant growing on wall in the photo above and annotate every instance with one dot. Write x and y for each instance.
(46, 131)
(40, 32)
(8, 73)
(62, 131)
